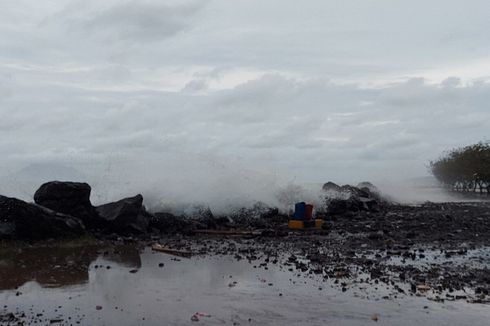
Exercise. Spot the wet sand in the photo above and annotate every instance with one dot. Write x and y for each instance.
(131, 285)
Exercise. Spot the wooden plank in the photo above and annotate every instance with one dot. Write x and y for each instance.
(227, 232)
(175, 252)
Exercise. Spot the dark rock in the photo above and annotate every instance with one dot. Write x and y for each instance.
(72, 198)
(202, 217)
(21, 220)
(330, 186)
(126, 216)
(353, 200)
(217, 222)
(342, 206)
(169, 223)
(355, 192)
(259, 216)
(369, 187)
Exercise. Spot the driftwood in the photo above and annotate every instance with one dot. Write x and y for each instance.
(175, 252)
(228, 232)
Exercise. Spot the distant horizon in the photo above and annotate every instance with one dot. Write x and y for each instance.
(221, 195)
(228, 95)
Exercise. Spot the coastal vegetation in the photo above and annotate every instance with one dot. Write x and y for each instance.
(465, 169)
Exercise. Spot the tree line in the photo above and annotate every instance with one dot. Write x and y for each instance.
(465, 169)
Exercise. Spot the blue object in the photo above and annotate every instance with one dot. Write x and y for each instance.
(299, 211)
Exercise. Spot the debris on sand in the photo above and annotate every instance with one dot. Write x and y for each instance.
(229, 232)
(198, 315)
(170, 251)
(9, 319)
(423, 288)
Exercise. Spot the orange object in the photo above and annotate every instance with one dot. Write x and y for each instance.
(318, 224)
(295, 224)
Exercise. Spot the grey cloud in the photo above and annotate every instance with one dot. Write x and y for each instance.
(143, 20)
(5, 86)
(134, 21)
(292, 135)
(196, 85)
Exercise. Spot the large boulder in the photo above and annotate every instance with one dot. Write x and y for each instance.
(21, 220)
(72, 198)
(330, 186)
(350, 199)
(127, 215)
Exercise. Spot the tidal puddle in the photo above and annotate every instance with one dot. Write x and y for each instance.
(128, 285)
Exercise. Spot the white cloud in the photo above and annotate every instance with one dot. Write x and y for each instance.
(295, 121)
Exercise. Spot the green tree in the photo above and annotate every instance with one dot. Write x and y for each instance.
(464, 169)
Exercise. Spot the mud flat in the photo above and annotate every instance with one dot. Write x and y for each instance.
(427, 264)
(131, 285)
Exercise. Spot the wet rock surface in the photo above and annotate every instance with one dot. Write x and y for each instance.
(438, 252)
(21, 220)
(125, 216)
(63, 209)
(350, 200)
(441, 249)
(394, 256)
(71, 198)
(168, 223)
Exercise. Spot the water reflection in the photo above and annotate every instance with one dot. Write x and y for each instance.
(60, 266)
(167, 291)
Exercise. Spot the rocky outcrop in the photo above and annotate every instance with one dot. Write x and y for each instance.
(349, 199)
(21, 220)
(368, 186)
(127, 215)
(330, 186)
(201, 217)
(168, 223)
(72, 198)
(259, 216)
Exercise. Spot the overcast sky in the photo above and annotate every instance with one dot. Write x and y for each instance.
(313, 90)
